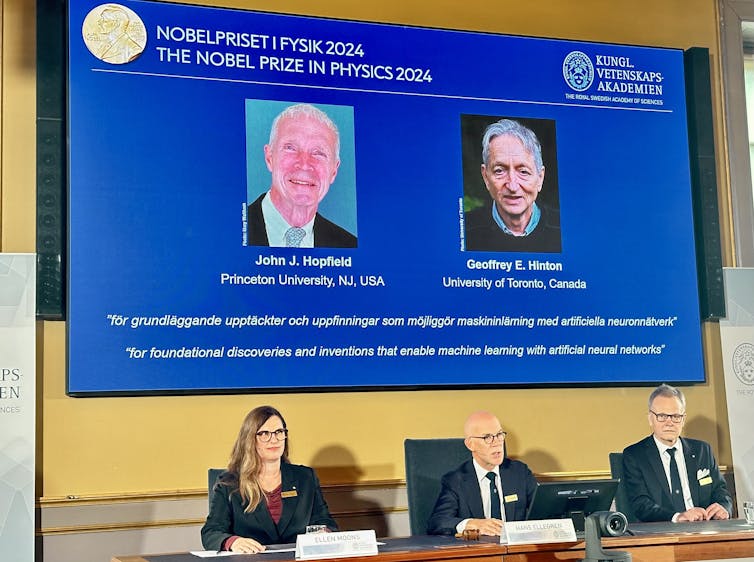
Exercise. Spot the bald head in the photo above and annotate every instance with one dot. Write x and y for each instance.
(477, 420)
(477, 426)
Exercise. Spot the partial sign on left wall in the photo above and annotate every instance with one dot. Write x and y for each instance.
(17, 392)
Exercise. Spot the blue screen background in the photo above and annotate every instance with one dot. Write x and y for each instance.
(159, 179)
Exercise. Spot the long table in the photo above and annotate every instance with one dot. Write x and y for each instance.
(651, 542)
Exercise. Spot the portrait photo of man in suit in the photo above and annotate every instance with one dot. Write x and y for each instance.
(669, 477)
(511, 199)
(486, 490)
(302, 159)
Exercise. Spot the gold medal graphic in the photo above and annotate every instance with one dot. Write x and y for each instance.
(114, 33)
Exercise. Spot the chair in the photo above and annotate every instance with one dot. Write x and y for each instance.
(212, 475)
(427, 460)
(621, 499)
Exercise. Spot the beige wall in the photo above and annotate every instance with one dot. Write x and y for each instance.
(107, 446)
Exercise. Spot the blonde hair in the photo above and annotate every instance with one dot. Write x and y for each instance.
(244, 459)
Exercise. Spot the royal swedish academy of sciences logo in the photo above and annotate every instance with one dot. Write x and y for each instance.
(578, 71)
(743, 363)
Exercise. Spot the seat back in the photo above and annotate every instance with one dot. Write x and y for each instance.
(621, 499)
(427, 460)
(212, 475)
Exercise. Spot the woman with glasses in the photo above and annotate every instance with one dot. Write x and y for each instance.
(262, 498)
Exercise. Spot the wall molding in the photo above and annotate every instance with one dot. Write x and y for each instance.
(191, 493)
(354, 502)
(99, 513)
(194, 493)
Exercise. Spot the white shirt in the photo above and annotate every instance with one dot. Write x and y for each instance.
(484, 488)
(276, 226)
(680, 460)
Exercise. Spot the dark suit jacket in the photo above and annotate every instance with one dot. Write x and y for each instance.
(483, 233)
(227, 518)
(461, 499)
(647, 486)
(327, 234)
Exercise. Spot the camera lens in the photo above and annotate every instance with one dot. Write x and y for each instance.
(615, 524)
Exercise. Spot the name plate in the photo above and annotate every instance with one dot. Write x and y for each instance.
(343, 544)
(538, 531)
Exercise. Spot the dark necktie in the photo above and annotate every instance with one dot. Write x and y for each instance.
(494, 497)
(676, 491)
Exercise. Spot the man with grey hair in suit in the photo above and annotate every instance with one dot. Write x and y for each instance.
(669, 477)
(513, 173)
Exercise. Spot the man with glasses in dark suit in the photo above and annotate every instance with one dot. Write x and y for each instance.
(485, 491)
(669, 477)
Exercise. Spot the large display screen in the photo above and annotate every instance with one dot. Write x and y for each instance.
(271, 202)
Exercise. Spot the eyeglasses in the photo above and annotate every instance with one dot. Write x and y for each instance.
(677, 418)
(490, 438)
(280, 435)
